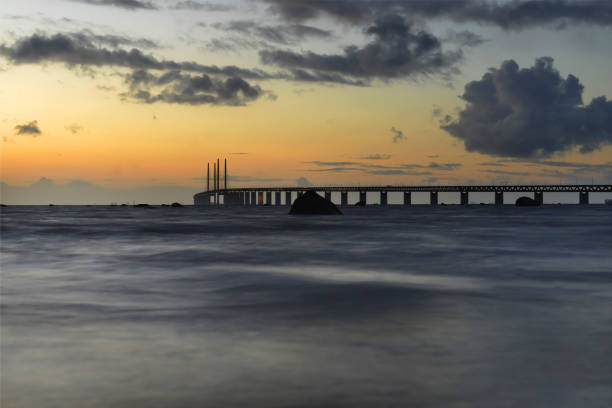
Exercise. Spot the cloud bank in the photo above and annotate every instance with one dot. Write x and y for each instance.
(507, 14)
(397, 50)
(530, 112)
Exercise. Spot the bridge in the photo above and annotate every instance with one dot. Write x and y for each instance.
(263, 195)
(274, 195)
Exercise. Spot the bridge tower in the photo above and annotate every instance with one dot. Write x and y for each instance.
(584, 197)
(344, 198)
(383, 198)
(288, 198)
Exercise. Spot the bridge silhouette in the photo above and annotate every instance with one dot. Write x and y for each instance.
(273, 195)
(218, 195)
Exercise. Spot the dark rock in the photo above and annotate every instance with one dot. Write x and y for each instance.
(124, 205)
(526, 202)
(312, 203)
(177, 205)
(3, 205)
(360, 203)
(142, 206)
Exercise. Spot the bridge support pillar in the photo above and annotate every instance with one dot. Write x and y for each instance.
(539, 197)
(277, 198)
(300, 193)
(269, 197)
(362, 197)
(383, 198)
(584, 197)
(288, 198)
(253, 197)
(433, 198)
(344, 198)
(464, 198)
(407, 198)
(328, 195)
(499, 198)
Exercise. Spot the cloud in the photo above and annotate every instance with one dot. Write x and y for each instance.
(377, 157)
(494, 164)
(201, 6)
(179, 82)
(332, 163)
(74, 128)
(397, 50)
(398, 135)
(303, 182)
(125, 4)
(279, 34)
(238, 153)
(434, 166)
(30, 129)
(507, 14)
(464, 38)
(444, 166)
(175, 87)
(81, 49)
(530, 112)
(505, 172)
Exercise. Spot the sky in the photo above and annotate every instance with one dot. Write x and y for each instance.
(121, 100)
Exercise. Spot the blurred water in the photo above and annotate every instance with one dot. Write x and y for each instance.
(423, 307)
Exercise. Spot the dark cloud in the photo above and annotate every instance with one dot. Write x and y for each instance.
(507, 14)
(201, 6)
(398, 135)
(178, 88)
(90, 39)
(279, 34)
(397, 50)
(125, 4)
(377, 156)
(530, 112)
(173, 82)
(30, 129)
(81, 49)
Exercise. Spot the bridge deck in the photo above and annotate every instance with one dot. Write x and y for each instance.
(559, 188)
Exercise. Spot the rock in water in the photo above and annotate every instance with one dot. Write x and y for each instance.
(312, 203)
(526, 202)
(176, 205)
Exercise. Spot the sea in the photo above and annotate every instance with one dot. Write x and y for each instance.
(419, 306)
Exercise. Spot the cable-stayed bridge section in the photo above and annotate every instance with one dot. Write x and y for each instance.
(274, 195)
